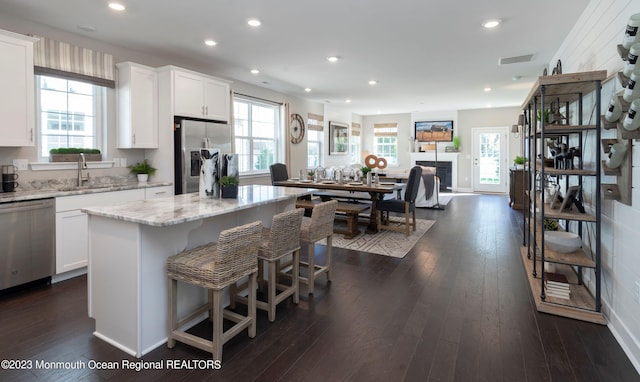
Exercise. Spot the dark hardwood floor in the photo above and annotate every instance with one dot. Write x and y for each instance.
(456, 308)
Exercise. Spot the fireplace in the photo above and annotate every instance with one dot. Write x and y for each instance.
(447, 168)
(444, 171)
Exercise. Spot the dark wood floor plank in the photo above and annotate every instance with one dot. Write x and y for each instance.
(456, 308)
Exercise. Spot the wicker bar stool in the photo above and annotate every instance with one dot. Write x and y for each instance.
(282, 239)
(315, 228)
(215, 266)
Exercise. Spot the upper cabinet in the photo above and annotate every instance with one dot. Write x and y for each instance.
(199, 96)
(17, 101)
(137, 106)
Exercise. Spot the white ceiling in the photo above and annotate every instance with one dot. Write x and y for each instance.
(428, 55)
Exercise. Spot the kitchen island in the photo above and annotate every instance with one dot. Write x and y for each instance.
(130, 242)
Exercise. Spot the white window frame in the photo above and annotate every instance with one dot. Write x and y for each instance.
(99, 105)
(386, 136)
(278, 154)
(318, 142)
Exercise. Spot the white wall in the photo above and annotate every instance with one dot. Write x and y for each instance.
(591, 45)
(490, 117)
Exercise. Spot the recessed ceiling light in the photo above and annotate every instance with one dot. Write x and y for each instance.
(347, 100)
(117, 6)
(87, 28)
(210, 43)
(307, 90)
(373, 82)
(487, 89)
(333, 58)
(254, 22)
(255, 71)
(491, 23)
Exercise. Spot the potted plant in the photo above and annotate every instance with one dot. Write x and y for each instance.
(364, 170)
(143, 170)
(456, 142)
(229, 186)
(519, 161)
(70, 154)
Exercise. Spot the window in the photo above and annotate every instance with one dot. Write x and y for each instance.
(258, 129)
(315, 139)
(386, 141)
(314, 148)
(69, 114)
(355, 143)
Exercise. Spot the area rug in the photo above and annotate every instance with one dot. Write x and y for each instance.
(387, 243)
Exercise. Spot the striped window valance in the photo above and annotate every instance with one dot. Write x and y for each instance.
(315, 122)
(355, 129)
(385, 129)
(56, 58)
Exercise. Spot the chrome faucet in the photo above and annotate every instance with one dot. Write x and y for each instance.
(82, 164)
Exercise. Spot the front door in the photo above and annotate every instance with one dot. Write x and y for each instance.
(489, 159)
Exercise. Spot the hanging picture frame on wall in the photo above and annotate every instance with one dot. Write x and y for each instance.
(338, 138)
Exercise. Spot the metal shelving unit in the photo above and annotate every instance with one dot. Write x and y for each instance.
(564, 92)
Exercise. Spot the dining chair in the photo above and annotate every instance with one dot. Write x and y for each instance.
(406, 206)
(278, 172)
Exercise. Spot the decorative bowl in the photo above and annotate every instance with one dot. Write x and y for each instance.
(562, 241)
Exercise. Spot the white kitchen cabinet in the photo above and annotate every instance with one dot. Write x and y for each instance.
(72, 240)
(72, 225)
(199, 96)
(137, 106)
(158, 192)
(17, 100)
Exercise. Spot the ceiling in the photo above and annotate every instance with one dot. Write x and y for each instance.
(427, 55)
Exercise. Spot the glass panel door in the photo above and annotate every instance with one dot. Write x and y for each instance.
(489, 159)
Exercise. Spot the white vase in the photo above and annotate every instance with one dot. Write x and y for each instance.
(143, 178)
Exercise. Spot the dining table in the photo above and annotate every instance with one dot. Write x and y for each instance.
(376, 192)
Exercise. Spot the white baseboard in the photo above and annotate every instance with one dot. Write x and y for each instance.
(623, 335)
(68, 275)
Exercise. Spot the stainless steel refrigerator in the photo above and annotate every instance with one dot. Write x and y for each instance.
(189, 137)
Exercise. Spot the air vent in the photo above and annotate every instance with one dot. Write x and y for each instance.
(515, 60)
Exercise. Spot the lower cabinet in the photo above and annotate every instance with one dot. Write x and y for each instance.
(72, 229)
(72, 240)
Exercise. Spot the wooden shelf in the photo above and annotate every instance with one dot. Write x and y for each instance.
(578, 258)
(559, 171)
(566, 129)
(581, 305)
(566, 87)
(568, 215)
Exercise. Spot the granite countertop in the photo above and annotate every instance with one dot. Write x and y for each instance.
(20, 195)
(189, 207)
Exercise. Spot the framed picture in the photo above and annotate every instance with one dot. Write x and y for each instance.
(572, 194)
(338, 138)
(434, 131)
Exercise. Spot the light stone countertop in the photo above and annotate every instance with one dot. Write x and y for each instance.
(19, 195)
(179, 209)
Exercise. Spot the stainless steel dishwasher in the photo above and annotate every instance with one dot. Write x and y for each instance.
(27, 241)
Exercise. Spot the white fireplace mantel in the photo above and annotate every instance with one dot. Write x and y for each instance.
(442, 157)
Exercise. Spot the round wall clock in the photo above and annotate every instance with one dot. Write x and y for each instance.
(297, 128)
